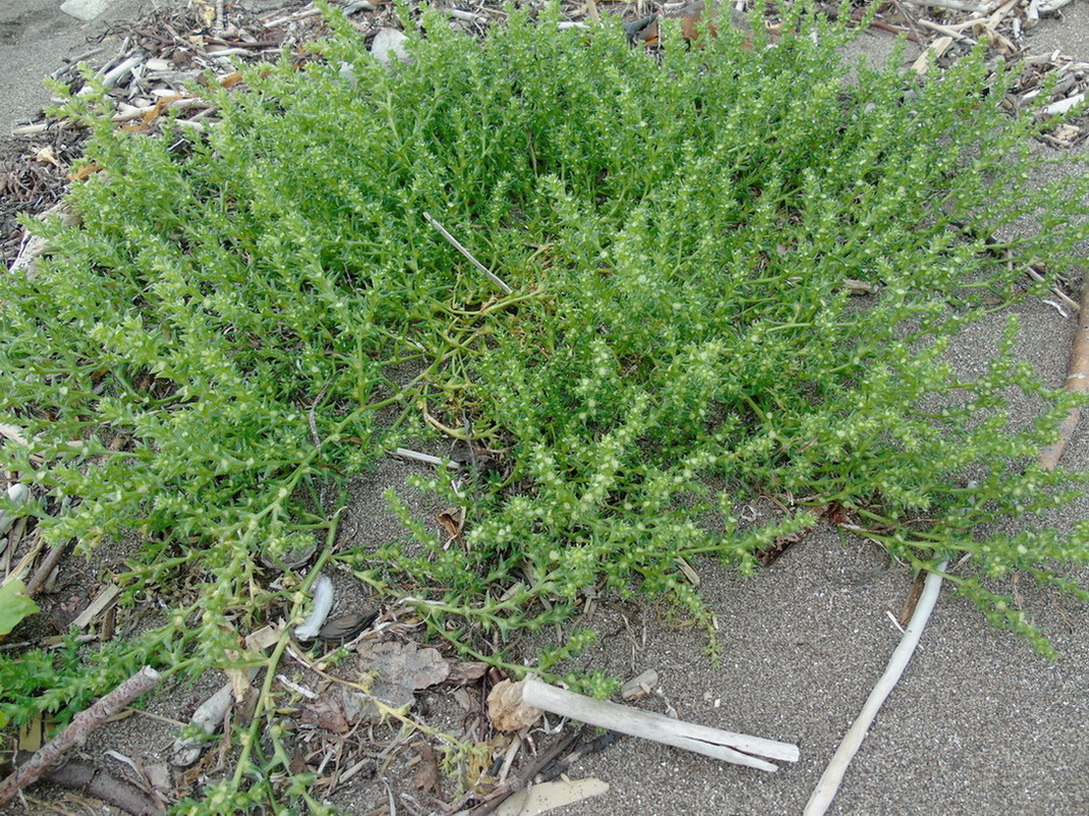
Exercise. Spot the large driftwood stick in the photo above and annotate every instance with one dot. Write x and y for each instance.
(725, 745)
(113, 790)
(1077, 380)
(830, 780)
(77, 732)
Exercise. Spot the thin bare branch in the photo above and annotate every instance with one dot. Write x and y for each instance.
(830, 780)
(454, 243)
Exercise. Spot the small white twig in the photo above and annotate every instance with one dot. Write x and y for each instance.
(426, 458)
(1069, 301)
(1056, 307)
(302, 691)
(895, 622)
(948, 31)
(833, 775)
(468, 16)
(454, 243)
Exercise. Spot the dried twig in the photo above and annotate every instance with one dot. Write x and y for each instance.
(1077, 381)
(505, 790)
(1059, 293)
(427, 458)
(956, 5)
(833, 774)
(77, 732)
(454, 243)
(948, 31)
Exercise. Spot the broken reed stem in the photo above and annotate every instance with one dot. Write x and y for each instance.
(77, 732)
(833, 775)
(454, 243)
(1077, 381)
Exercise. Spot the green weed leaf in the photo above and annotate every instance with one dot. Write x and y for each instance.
(15, 606)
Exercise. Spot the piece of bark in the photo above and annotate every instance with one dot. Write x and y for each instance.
(77, 732)
(507, 710)
(740, 749)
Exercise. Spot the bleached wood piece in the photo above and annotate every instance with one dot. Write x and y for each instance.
(728, 746)
(1064, 105)
(951, 4)
(323, 603)
(830, 780)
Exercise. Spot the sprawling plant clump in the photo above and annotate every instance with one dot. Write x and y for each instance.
(232, 321)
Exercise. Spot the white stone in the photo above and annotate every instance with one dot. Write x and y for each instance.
(388, 44)
(84, 9)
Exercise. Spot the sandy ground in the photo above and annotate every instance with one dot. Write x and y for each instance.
(979, 723)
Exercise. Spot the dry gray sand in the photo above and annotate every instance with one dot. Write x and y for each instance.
(979, 724)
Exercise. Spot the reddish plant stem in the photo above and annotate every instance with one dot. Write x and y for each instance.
(77, 732)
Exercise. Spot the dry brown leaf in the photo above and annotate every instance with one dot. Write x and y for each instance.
(337, 710)
(80, 173)
(506, 710)
(205, 11)
(452, 520)
(404, 663)
(428, 778)
(47, 156)
(240, 683)
(463, 672)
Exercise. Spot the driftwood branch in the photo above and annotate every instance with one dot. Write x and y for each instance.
(830, 780)
(77, 732)
(1077, 380)
(113, 790)
(740, 749)
(454, 243)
